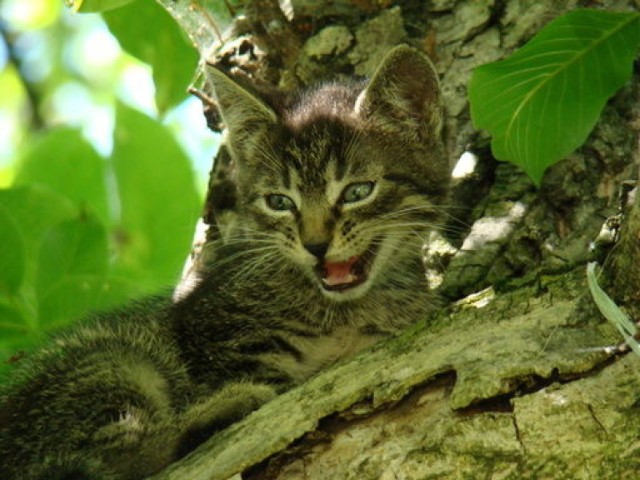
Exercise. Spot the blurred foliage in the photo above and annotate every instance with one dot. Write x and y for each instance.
(98, 199)
(172, 58)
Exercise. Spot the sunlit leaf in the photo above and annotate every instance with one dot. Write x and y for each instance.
(146, 31)
(63, 161)
(12, 88)
(158, 197)
(541, 103)
(91, 6)
(31, 14)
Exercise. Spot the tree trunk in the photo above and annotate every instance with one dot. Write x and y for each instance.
(510, 380)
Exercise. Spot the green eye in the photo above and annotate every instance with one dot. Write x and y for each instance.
(357, 191)
(279, 202)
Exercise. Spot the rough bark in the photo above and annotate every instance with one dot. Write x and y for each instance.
(626, 281)
(502, 388)
(509, 382)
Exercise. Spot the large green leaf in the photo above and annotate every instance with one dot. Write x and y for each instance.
(159, 201)
(12, 324)
(15, 339)
(91, 6)
(12, 253)
(35, 209)
(32, 211)
(146, 31)
(75, 295)
(541, 103)
(74, 247)
(65, 162)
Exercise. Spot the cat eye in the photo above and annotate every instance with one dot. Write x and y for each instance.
(357, 191)
(279, 202)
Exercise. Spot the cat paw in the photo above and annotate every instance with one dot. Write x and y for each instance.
(230, 404)
(226, 406)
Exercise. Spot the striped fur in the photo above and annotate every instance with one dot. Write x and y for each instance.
(125, 393)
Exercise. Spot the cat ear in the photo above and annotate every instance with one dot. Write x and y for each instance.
(242, 112)
(403, 95)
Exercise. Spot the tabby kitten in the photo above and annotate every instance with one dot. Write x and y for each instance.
(328, 200)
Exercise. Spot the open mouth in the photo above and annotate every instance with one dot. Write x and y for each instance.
(340, 276)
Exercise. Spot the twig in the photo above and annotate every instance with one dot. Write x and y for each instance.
(36, 121)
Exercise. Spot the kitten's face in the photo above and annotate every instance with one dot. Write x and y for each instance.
(332, 190)
(337, 204)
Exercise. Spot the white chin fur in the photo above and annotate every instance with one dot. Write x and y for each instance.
(352, 293)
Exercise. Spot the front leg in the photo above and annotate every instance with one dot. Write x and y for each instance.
(231, 403)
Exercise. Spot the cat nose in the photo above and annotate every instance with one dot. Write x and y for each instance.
(319, 250)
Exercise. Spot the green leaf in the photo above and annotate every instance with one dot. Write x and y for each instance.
(91, 6)
(159, 201)
(11, 322)
(147, 31)
(12, 254)
(75, 295)
(541, 103)
(15, 339)
(76, 247)
(35, 209)
(65, 162)
(13, 329)
(611, 311)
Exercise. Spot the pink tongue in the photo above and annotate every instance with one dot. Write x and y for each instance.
(339, 273)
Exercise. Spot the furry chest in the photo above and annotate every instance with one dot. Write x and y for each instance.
(316, 353)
